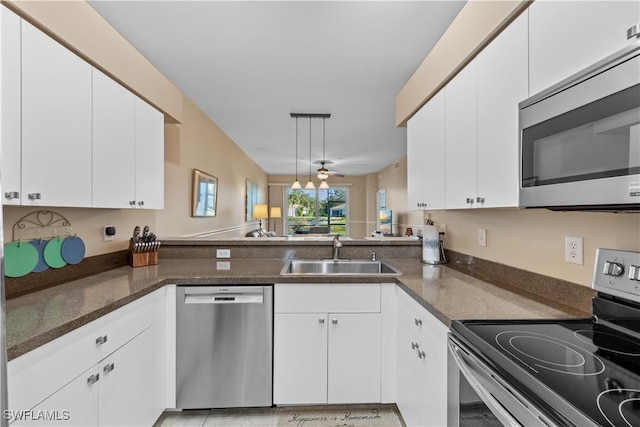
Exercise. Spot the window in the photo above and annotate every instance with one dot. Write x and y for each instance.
(318, 211)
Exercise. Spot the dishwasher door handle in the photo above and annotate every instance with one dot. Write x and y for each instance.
(224, 295)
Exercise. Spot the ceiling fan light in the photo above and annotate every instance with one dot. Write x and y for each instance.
(324, 185)
(310, 186)
(296, 185)
(323, 174)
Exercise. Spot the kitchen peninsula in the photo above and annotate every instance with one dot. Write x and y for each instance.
(146, 297)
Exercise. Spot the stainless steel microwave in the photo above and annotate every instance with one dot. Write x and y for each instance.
(580, 139)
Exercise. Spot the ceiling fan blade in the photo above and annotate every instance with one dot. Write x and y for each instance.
(331, 173)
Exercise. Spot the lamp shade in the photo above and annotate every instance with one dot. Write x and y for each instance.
(296, 185)
(310, 185)
(260, 211)
(324, 185)
(275, 212)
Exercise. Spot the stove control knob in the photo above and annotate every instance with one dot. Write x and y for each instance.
(613, 269)
(634, 272)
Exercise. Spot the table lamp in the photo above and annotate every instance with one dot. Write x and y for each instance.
(260, 212)
(275, 213)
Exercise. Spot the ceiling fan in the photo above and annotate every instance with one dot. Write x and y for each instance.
(324, 173)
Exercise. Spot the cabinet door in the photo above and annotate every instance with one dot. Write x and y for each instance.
(10, 94)
(567, 36)
(354, 358)
(149, 156)
(426, 156)
(56, 123)
(114, 139)
(75, 404)
(460, 135)
(409, 378)
(434, 383)
(502, 83)
(300, 358)
(417, 143)
(126, 384)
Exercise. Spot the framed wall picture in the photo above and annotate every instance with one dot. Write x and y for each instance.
(251, 200)
(205, 194)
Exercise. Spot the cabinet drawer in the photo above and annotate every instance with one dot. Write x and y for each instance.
(327, 298)
(36, 375)
(411, 312)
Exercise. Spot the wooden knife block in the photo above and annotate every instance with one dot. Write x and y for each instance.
(142, 259)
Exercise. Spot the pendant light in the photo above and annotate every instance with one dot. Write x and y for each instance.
(310, 185)
(296, 184)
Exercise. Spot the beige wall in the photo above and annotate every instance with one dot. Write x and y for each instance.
(196, 143)
(533, 239)
(358, 194)
(393, 179)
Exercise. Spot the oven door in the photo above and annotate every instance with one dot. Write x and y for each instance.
(486, 399)
(580, 144)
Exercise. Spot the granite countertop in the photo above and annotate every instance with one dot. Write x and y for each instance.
(37, 318)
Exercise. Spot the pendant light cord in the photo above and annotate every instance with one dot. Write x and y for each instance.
(296, 149)
(309, 148)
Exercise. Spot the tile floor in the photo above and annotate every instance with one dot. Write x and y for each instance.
(308, 416)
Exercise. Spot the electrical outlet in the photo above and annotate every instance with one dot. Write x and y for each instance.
(223, 253)
(482, 237)
(443, 230)
(574, 250)
(107, 235)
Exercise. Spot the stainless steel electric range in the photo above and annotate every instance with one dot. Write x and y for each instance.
(583, 372)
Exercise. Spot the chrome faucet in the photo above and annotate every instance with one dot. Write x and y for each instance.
(337, 244)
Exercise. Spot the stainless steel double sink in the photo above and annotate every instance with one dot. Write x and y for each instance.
(330, 267)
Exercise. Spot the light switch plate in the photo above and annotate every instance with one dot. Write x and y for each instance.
(223, 253)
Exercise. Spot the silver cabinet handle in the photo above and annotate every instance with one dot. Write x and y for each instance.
(480, 199)
(633, 31)
(93, 379)
(321, 320)
(132, 202)
(421, 354)
(34, 196)
(469, 200)
(414, 345)
(101, 340)
(141, 203)
(12, 195)
(108, 368)
(418, 322)
(334, 321)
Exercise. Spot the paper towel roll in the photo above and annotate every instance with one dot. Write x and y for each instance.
(430, 245)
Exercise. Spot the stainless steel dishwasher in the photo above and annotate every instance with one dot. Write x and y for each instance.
(224, 352)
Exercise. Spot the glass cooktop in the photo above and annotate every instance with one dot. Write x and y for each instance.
(562, 364)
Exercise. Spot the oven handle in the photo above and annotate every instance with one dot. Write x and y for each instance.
(463, 360)
(466, 361)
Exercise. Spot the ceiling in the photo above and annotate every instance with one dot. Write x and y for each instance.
(249, 64)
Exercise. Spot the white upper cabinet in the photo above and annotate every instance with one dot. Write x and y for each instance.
(128, 148)
(56, 123)
(567, 36)
(460, 136)
(149, 156)
(426, 156)
(502, 71)
(10, 97)
(71, 136)
(114, 139)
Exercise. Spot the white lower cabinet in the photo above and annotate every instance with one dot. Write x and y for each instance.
(322, 354)
(421, 382)
(102, 374)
